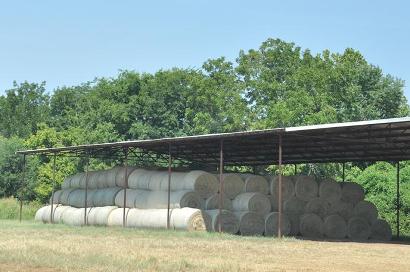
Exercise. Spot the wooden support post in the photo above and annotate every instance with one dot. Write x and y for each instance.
(221, 185)
(124, 218)
(343, 173)
(53, 190)
(22, 187)
(169, 186)
(398, 200)
(296, 169)
(280, 188)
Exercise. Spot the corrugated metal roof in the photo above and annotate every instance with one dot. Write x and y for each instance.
(374, 140)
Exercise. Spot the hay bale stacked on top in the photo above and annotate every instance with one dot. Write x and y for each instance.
(325, 209)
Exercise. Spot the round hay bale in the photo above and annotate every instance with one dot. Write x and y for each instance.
(98, 216)
(105, 197)
(335, 227)
(132, 195)
(205, 184)
(253, 202)
(229, 222)
(39, 214)
(63, 199)
(294, 223)
(366, 209)
(272, 224)
(212, 203)
(330, 190)
(58, 213)
(342, 208)
(190, 219)
(75, 181)
(139, 179)
(294, 205)
(352, 192)
(233, 184)
(74, 217)
(115, 218)
(306, 188)
(120, 175)
(288, 188)
(358, 228)
(311, 225)
(77, 198)
(93, 179)
(66, 182)
(381, 230)
(255, 183)
(178, 199)
(57, 194)
(317, 206)
(250, 223)
(147, 218)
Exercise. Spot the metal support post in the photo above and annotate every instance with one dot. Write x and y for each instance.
(125, 187)
(296, 169)
(86, 189)
(53, 189)
(221, 185)
(280, 188)
(343, 172)
(398, 201)
(22, 187)
(169, 186)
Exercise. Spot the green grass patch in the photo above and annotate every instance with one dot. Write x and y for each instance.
(9, 209)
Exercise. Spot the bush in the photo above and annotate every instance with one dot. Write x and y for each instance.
(9, 209)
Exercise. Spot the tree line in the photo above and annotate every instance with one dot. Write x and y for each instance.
(279, 84)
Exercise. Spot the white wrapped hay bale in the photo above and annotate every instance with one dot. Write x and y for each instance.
(74, 216)
(311, 226)
(233, 184)
(39, 214)
(358, 228)
(352, 192)
(115, 217)
(330, 190)
(98, 216)
(180, 219)
(253, 202)
(203, 183)
(272, 224)
(250, 223)
(229, 222)
(212, 203)
(288, 188)
(318, 206)
(294, 205)
(342, 208)
(335, 227)
(366, 209)
(381, 230)
(105, 196)
(306, 187)
(255, 183)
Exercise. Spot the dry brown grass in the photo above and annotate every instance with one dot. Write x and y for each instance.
(35, 247)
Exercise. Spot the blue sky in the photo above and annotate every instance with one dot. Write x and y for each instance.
(75, 41)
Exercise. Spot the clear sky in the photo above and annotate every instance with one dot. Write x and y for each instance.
(66, 43)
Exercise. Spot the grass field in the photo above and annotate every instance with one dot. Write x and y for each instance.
(30, 246)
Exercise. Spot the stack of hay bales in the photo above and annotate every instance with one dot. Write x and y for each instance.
(327, 209)
(249, 204)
